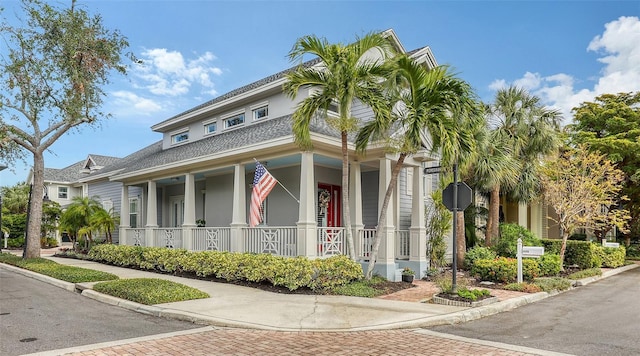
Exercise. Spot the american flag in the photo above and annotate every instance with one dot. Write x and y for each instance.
(263, 182)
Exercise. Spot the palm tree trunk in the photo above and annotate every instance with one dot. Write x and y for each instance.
(494, 216)
(32, 245)
(461, 248)
(346, 212)
(382, 220)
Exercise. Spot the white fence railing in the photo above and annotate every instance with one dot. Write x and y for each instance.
(279, 241)
(365, 241)
(211, 239)
(401, 240)
(331, 241)
(170, 237)
(402, 244)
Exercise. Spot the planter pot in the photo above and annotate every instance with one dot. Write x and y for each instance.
(408, 279)
(458, 303)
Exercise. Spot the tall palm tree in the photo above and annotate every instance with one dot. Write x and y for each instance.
(527, 130)
(16, 198)
(346, 73)
(429, 105)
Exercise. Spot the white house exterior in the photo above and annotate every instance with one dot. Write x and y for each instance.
(202, 170)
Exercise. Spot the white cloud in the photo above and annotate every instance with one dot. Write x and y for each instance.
(132, 103)
(168, 73)
(619, 46)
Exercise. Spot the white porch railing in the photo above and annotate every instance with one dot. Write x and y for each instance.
(136, 237)
(277, 240)
(365, 242)
(170, 237)
(331, 241)
(211, 239)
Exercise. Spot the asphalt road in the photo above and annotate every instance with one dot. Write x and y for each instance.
(36, 316)
(602, 318)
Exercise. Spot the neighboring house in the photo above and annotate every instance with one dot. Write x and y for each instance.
(83, 179)
(203, 168)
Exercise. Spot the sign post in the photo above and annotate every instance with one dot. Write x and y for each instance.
(527, 251)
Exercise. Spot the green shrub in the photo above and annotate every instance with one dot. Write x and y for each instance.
(505, 270)
(14, 242)
(523, 287)
(633, 252)
(477, 253)
(472, 294)
(149, 291)
(549, 284)
(48, 242)
(292, 273)
(591, 272)
(507, 244)
(549, 265)
(580, 253)
(611, 257)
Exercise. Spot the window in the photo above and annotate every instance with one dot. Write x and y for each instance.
(180, 137)
(133, 212)
(107, 205)
(210, 128)
(409, 182)
(234, 121)
(63, 193)
(261, 113)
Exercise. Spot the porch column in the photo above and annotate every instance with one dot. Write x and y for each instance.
(189, 221)
(385, 263)
(239, 206)
(152, 213)
(522, 215)
(124, 214)
(536, 219)
(355, 198)
(418, 231)
(307, 224)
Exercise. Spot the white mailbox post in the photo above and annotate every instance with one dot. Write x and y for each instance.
(527, 251)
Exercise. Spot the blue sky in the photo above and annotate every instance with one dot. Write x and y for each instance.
(566, 52)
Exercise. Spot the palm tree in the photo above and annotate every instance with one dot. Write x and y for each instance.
(429, 105)
(75, 220)
(104, 221)
(16, 198)
(346, 73)
(526, 130)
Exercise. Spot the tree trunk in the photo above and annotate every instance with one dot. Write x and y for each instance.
(494, 216)
(382, 220)
(346, 212)
(563, 248)
(461, 248)
(32, 241)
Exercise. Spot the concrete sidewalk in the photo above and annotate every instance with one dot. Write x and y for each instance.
(244, 307)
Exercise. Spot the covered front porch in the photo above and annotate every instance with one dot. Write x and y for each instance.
(205, 207)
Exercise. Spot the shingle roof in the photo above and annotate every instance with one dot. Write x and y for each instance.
(243, 89)
(72, 173)
(154, 155)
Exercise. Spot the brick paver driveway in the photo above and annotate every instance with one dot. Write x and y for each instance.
(256, 342)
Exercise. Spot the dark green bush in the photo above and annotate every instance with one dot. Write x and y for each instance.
(549, 265)
(478, 253)
(580, 253)
(505, 270)
(507, 244)
(611, 257)
(633, 251)
(292, 273)
(14, 242)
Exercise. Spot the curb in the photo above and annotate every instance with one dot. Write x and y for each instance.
(71, 287)
(613, 272)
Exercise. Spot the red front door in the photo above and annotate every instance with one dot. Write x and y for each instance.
(329, 205)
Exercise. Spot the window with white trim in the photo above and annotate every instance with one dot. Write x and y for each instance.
(234, 121)
(133, 212)
(63, 192)
(261, 112)
(210, 127)
(180, 137)
(107, 205)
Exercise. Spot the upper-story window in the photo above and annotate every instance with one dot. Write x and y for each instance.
(234, 121)
(210, 127)
(261, 112)
(63, 192)
(333, 109)
(180, 137)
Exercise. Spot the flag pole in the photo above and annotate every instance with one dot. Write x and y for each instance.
(283, 187)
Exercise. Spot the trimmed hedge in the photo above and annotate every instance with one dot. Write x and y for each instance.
(611, 257)
(292, 273)
(505, 270)
(580, 253)
(478, 253)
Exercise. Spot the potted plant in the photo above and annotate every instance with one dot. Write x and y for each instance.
(201, 223)
(407, 275)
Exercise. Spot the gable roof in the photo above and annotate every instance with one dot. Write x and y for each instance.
(78, 170)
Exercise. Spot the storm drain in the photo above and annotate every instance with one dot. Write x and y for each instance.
(29, 339)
